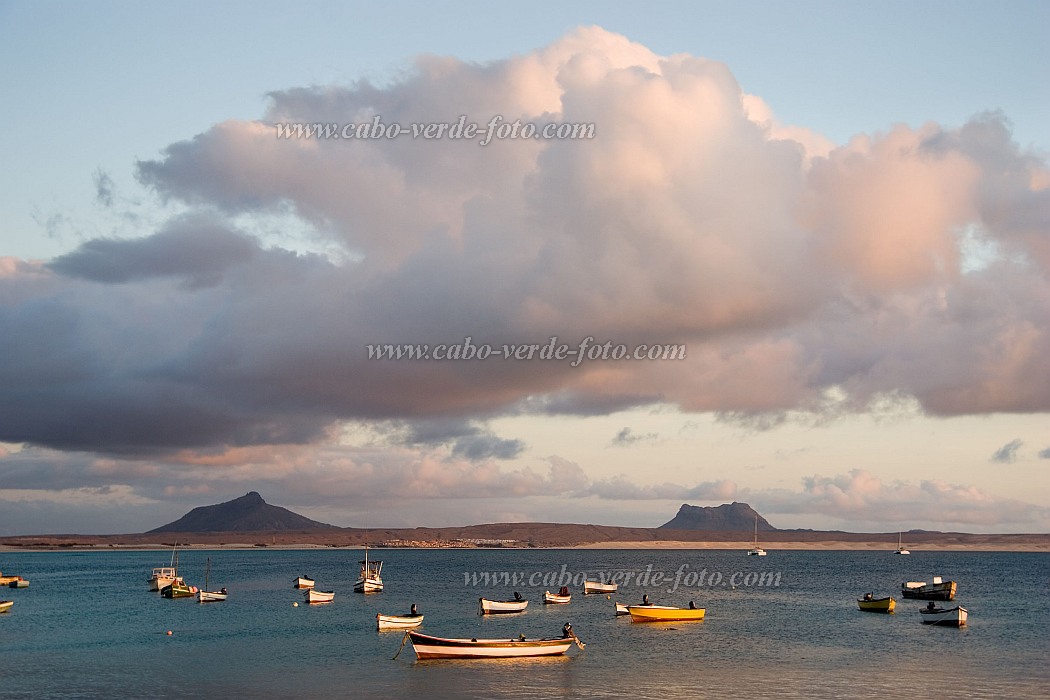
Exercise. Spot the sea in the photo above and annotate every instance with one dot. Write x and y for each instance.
(781, 626)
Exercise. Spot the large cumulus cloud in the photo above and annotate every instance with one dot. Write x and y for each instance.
(912, 262)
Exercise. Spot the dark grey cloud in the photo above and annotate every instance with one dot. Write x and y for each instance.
(1007, 454)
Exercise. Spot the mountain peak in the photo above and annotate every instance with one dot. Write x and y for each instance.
(726, 517)
(247, 513)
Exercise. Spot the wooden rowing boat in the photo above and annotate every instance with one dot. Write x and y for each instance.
(664, 613)
(303, 582)
(498, 607)
(5, 605)
(397, 622)
(597, 587)
(430, 647)
(938, 590)
(946, 617)
(315, 596)
(562, 597)
(880, 605)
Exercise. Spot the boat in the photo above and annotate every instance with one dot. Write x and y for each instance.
(596, 587)
(165, 575)
(399, 622)
(5, 605)
(946, 617)
(19, 582)
(430, 647)
(664, 613)
(178, 589)
(6, 580)
(315, 596)
(900, 547)
(621, 609)
(756, 551)
(303, 582)
(562, 597)
(206, 596)
(370, 580)
(871, 604)
(498, 607)
(938, 590)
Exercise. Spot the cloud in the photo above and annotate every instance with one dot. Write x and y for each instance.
(789, 267)
(1007, 454)
(627, 437)
(1045, 453)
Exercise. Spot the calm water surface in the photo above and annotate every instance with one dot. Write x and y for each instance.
(88, 627)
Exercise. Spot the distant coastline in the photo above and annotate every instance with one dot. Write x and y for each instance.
(534, 536)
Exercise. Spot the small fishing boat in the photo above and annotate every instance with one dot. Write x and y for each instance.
(756, 551)
(163, 576)
(315, 596)
(621, 609)
(303, 582)
(869, 603)
(562, 597)
(5, 605)
(900, 546)
(938, 590)
(399, 622)
(206, 596)
(947, 617)
(429, 647)
(19, 582)
(6, 580)
(597, 587)
(178, 589)
(664, 613)
(370, 580)
(498, 607)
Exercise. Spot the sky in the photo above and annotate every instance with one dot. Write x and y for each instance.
(836, 215)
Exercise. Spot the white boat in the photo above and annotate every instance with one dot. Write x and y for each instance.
(164, 576)
(621, 609)
(947, 617)
(498, 607)
(756, 551)
(19, 582)
(900, 547)
(429, 647)
(370, 580)
(315, 596)
(399, 622)
(562, 597)
(5, 605)
(597, 587)
(206, 596)
(303, 582)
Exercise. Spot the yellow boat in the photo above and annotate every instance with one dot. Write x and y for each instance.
(664, 613)
(882, 605)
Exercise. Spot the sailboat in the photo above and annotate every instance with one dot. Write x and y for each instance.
(206, 596)
(900, 547)
(756, 551)
(370, 580)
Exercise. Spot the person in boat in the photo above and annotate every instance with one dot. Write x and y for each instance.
(223, 591)
(931, 606)
(413, 612)
(564, 590)
(517, 596)
(867, 596)
(692, 605)
(566, 630)
(645, 599)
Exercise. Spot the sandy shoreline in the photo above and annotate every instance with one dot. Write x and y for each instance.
(772, 548)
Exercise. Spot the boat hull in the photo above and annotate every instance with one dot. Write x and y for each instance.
(501, 607)
(5, 605)
(161, 577)
(210, 596)
(756, 552)
(878, 605)
(178, 590)
(937, 590)
(397, 622)
(951, 617)
(621, 609)
(663, 613)
(19, 583)
(428, 647)
(555, 599)
(314, 596)
(303, 582)
(368, 585)
(595, 587)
